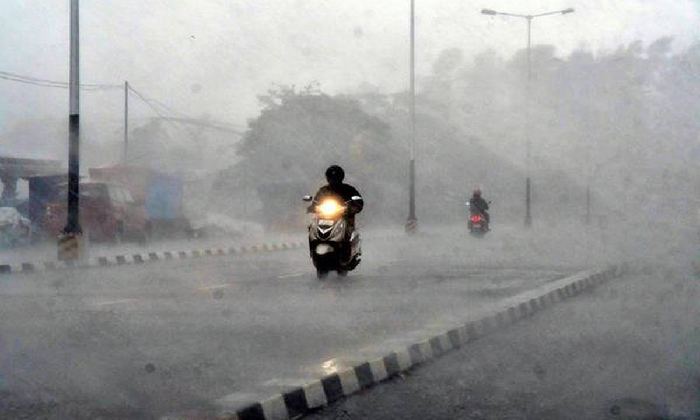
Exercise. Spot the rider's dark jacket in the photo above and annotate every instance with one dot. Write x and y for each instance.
(480, 204)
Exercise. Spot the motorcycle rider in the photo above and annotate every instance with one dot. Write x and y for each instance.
(477, 202)
(344, 192)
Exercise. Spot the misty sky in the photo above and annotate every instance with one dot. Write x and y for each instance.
(212, 57)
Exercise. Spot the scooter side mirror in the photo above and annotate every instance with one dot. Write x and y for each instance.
(307, 198)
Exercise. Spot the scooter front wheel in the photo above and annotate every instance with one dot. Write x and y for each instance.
(321, 274)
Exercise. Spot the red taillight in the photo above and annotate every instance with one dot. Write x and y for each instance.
(476, 218)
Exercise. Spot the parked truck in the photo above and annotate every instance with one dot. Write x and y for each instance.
(161, 194)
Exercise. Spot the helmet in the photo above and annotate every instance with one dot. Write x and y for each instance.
(477, 192)
(335, 175)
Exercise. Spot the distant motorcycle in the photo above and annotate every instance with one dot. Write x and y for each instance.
(333, 245)
(478, 226)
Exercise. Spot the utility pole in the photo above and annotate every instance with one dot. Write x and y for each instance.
(69, 244)
(73, 226)
(126, 122)
(412, 222)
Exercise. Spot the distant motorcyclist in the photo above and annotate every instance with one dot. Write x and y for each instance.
(478, 203)
(344, 192)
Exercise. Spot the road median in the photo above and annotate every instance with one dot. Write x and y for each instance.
(144, 257)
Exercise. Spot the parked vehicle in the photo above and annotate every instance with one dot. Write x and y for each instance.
(44, 190)
(334, 246)
(15, 229)
(108, 212)
(160, 194)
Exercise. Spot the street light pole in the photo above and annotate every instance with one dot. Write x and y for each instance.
(126, 121)
(528, 143)
(70, 241)
(412, 222)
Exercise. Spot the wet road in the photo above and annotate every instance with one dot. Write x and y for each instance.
(143, 341)
(629, 349)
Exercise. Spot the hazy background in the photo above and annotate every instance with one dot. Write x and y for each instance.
(614, 94)
(214, 57)
(281, 89)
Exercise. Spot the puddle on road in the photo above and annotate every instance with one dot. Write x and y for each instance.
(634, 409)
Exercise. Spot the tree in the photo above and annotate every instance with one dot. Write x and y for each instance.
(300, 133)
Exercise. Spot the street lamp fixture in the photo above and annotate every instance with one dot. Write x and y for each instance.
(491, 12)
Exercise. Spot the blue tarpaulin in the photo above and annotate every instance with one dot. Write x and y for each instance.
(164, 197)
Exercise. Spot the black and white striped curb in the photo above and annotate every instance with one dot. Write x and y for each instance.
(144, 257)
(362, 375)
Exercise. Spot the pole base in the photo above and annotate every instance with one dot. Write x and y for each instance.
(411, 226)
(71, 247)
(528, 215)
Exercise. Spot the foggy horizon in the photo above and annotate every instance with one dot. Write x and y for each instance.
(214, 59)
(282, 227)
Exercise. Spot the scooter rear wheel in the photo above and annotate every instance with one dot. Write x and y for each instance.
(342, 273)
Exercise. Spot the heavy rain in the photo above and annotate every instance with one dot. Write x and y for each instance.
(349, 210)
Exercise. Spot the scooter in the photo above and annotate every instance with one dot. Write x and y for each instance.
(333, 245)
(478, 226)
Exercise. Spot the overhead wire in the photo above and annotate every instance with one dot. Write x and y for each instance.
(153, 104)
(182, 118)
(146, 101)
(53, 83)
(35, 81)
(149, 102)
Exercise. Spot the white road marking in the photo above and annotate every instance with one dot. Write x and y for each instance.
(288, 276)
(232, 401)
(286, 382)
(218, 286)
(114, 302)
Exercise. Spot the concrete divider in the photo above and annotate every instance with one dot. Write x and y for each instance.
(150, 256)
(367, 373)
(143, 257)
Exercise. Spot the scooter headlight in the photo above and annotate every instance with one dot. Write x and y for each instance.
(330, 208)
